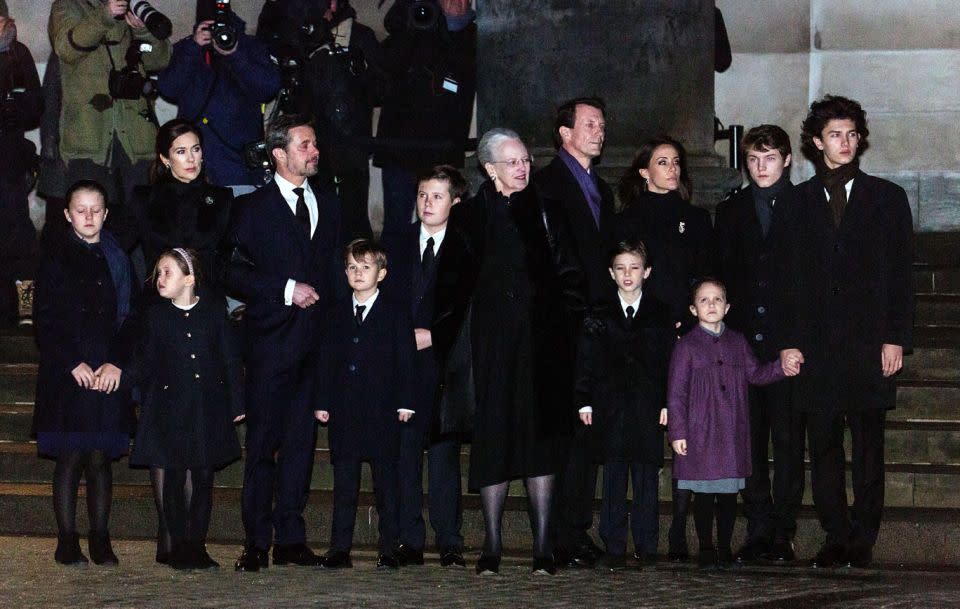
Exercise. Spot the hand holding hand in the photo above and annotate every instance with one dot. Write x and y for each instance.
(424, 338)
(891, 357)
(586, 418)
(107, 378)
(322, 415)
(84, 376)
(304, 295)
(679, 447)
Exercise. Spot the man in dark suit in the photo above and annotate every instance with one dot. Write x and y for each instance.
(851, 319)
(281, 253)
(412, 252)
(754, 227)
(571, 183)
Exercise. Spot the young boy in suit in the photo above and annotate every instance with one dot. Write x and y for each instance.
(413, 253)
(622, 365)
(364, 393)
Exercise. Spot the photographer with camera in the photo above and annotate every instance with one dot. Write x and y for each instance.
(333, 70)
(107, 122)
(21, 105)
(219, 77)
(425, 120)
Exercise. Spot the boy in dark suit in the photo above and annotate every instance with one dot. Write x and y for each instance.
(622, 364)
(364, 393)
(413, 252)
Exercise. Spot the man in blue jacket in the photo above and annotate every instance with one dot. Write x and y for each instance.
(221, 89)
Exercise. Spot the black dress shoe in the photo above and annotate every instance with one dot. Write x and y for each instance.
(860, 556)
(68, 550)
(707, 560)
(647, 559)
(829, 556)
(388, 560)
(336, 560)
(678, 556)
(544, 565)
(612, 562)
(452, 556)
(781, 551)
(182, 557)
(252, 560)
(725, 559)
(101, 552)
(409, 556)
(202, 559)
(752, 552)
(297, 554)
(488, 565)
(582, 558)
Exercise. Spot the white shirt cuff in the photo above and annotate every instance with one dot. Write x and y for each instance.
(585, 409)
(288, 292)
(403, 410)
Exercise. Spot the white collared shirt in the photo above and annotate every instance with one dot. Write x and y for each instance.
(368, 304)
(848, 186)
(437, 239)
(286, 190)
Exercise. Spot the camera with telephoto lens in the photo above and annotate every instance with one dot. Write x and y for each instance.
(128, 82)
(158, 23)
(222, 30)
(423, 15)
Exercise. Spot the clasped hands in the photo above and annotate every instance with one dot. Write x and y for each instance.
(106, 378)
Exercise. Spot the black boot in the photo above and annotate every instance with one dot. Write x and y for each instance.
(68, 550)
(101, 552)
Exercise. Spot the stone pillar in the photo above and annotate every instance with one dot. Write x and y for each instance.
(651, 61)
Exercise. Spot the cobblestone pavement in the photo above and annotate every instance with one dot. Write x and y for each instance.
(29, 578)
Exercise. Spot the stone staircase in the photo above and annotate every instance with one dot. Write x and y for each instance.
(922, 516)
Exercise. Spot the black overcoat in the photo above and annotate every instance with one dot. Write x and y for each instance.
(189, 373)
(622, 374)
(75, 317)
(591, 243)
(365, 374)
(508, 286)
(680, 242)
(852, 292)
(750, 265)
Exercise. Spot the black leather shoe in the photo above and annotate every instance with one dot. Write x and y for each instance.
(452, 556)
(297, 554)
(544, 565)
(182, 557)
(646, 559)
(389, 560)
(101, 552)
(725, 559)
(488, 565)
(829, 556)
(202, 559)
(860, 556)
(582, 558)
(679, 556)
(752, 552)
(781, 551)
(68, 550)
(612, 562)
(409, 556)
(252, 560)
(707, 560)
(336, 560)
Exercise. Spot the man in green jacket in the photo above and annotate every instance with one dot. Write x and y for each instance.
(104, 137)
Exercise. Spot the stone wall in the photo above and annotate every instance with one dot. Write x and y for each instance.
(899, 58)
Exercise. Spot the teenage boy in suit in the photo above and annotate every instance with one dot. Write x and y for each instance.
(413, 252)
(364, 394)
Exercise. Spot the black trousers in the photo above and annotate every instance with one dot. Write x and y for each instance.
(860, 524)
(644, 509)
(346, 494)
(773, 517)
(576, 489)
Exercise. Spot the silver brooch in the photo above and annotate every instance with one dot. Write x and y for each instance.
(683, 227)
(209, 201)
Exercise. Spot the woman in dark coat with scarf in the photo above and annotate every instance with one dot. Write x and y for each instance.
(509, 297)
(80, 418)
(179, 209)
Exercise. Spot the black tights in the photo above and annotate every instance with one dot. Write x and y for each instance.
(187, 501)
(157, 480)
(725, 507)
(95, 466)
(539, 495)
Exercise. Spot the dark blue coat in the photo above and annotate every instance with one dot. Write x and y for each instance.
(265, 246)
(223, 99)
(365, 375)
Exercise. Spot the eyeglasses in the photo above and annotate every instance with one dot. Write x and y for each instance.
(514, 163)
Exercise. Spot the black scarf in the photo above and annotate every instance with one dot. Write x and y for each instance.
(763, 199)
(835, 181)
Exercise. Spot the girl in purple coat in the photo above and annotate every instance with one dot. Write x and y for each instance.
(710, 418)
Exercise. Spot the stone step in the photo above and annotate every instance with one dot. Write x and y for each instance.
(933, 279)
(937, 309)
(936, 335)
(25, 510)
(934, 363)
(941, 248)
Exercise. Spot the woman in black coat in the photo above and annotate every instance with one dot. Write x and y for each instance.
(80, 418)
(655, 193)
(508, 300)
(179, 208)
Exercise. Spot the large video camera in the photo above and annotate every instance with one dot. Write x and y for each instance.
(223, 31)
(128, 82)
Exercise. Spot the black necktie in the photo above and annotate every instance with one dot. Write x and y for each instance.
(630, 311)
(303, 214)
(428, 255)
(359, 315)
